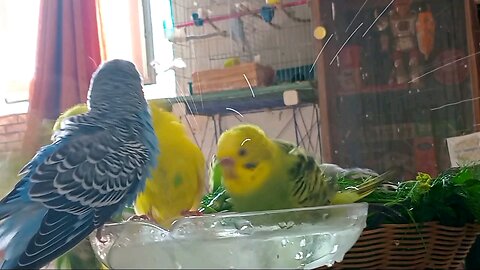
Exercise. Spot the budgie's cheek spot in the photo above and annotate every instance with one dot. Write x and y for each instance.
(178, 180)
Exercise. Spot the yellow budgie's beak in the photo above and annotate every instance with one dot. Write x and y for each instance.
(228, 167)
(227, 162)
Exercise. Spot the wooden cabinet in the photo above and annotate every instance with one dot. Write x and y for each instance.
(395, 79)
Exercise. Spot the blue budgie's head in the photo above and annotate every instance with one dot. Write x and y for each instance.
(117, 85)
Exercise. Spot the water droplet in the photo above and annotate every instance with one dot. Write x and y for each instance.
(334, 249)
(329, 263)
(299, 255)
(284, 242)
(152, 231)
(325, 216)
(308, 255)
(286, 225)
(242, 225)
(396, 242)
(303, 242)
(163, 235)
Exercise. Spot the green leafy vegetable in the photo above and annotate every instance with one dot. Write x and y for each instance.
(452, 198)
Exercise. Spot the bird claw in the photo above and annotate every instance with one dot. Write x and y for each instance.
(190, 213)
(139, 218)
(99, 236)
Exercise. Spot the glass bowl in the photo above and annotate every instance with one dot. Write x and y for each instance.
(292, 238)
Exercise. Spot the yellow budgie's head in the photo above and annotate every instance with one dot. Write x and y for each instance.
(77, 109)
(165, 122)
(245, 154)
(163, 104)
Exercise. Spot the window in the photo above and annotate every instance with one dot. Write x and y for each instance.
(18, 32)
(144, 43)
(129, 29)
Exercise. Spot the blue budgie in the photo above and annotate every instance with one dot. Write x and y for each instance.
(237, 32)
(97, 163)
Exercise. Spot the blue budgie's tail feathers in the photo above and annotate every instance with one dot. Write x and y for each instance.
(52, 234)
(16, 230)
(7, 210)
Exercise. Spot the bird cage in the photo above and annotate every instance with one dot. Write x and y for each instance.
(252, 55)
(213, 34)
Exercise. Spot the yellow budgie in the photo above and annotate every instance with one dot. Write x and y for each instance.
(178, 183)
(260, 173)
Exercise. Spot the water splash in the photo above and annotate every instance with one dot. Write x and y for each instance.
(242, 225)
(299, 255)
(182, 95)
(244, 141)
(345, 43)
(356, 15)
(442, 66)
(334, 249)
(303, 242)
(286, 225)
(249, 85)
(233, 110)
(321, 50)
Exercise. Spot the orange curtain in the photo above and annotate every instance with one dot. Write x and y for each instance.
(68, 52)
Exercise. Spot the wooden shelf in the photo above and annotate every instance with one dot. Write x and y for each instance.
(242, 100)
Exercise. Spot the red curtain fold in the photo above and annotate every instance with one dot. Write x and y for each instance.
(68, 51)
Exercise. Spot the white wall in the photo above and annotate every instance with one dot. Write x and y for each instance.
(278, 124)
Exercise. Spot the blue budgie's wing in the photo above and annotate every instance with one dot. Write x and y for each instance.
(95, 170)
(76, 186)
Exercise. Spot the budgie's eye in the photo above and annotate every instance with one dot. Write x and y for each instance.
(250, 165)
(242, 152)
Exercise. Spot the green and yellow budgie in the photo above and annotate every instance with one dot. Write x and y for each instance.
(260, 174)
(178, 183)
